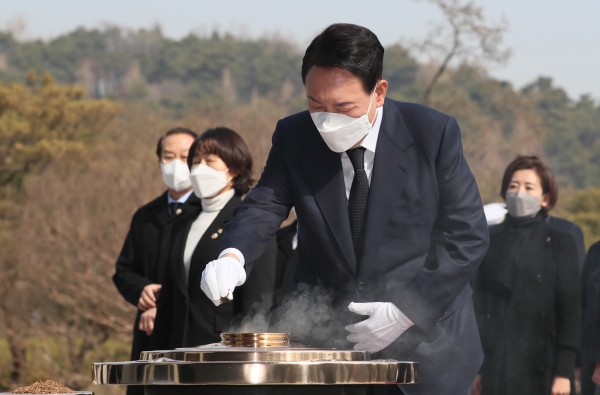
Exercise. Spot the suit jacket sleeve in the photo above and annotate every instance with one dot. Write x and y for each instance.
(128, 282)
(568, 306)
(459, 241)
(265, 207)
(260, 285)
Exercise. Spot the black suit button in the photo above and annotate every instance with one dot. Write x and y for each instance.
(543, 312)
(360, 286)
(538, 278)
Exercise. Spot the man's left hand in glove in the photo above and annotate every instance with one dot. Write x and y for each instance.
(385, 324)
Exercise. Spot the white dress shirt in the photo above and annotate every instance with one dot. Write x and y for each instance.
(210, 209)
(370, 143)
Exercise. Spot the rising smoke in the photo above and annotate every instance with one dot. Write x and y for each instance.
(309, 314)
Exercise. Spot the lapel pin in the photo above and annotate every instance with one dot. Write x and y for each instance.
(220, 231)
(178, 211)
(214, 235)
(548, 239)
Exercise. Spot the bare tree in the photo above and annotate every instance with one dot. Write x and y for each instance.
(57, 299)
(464, 34)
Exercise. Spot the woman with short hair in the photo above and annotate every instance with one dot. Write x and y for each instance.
(221, 172)
(527, 292)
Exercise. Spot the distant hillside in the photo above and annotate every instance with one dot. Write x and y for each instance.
(498, 121)
(145, 64)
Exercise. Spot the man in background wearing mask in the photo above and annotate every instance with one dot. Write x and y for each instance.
(142, 263)
(389, 214)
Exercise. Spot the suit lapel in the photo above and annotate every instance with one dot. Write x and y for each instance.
(179, 242)
(212, 235)
(391, 171)
(191, 206)
(162, 213)
(324, 172)
(187, 208)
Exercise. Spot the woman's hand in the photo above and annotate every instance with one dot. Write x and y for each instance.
(561, 386)
(147, 298)
(477, 385)
(147, 321)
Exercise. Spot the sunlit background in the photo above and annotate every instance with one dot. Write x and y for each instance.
(87, 87)
(554, 38)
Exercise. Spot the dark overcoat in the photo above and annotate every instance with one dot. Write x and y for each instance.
(590, 332)
(530, 329)
(185, 316)
(574, 230)
(144, 256)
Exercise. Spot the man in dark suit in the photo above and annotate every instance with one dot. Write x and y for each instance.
(141, 265)
(389, 214)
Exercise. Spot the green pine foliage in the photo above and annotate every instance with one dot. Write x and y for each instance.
(498, 121)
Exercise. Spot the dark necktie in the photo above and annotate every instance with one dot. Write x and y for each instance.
(357, 202)
(175, 208)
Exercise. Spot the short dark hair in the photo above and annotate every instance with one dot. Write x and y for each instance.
(170, 132)
(547, 178)
(349, 47)
(231, 148)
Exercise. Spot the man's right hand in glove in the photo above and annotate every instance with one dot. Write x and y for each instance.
(220, 277)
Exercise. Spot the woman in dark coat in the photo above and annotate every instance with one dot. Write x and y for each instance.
(527, 292)
(221, 168)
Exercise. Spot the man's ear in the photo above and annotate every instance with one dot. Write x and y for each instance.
(381, 92)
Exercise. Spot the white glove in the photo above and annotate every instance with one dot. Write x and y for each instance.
(220, 277)
(385, 324)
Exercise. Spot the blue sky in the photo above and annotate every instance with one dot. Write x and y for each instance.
(559, 39)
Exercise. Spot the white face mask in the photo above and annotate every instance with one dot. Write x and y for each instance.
(340, 131)
(521, 204)
(176, 175)
(208, 182)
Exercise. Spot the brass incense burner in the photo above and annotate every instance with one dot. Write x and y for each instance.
(255, 363)
(255, 339)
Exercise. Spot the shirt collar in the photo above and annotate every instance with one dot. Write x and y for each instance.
(182, 199)
(370, 141)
